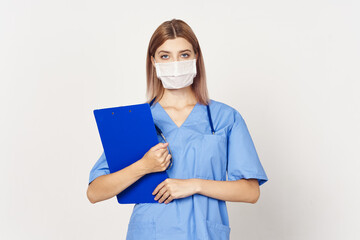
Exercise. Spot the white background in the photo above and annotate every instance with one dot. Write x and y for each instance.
(291, 68)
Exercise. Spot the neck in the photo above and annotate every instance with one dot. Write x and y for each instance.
(178, 97)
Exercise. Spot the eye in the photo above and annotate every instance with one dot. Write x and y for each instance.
(186, 55)
(164, 56)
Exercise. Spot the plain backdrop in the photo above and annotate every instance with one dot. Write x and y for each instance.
(291, 68)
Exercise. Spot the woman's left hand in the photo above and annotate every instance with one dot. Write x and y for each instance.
(172, 188)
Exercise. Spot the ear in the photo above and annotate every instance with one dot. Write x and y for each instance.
(152, 61)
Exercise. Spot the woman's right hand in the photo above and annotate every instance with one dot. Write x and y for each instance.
(157, 159)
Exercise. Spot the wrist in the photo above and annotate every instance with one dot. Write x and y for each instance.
(196, 182)
(140, 165)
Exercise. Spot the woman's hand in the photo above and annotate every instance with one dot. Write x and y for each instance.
(172, 188)
(157, 159)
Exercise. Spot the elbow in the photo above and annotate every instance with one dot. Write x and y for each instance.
(250, 192)
(255, 195)
(90, 195)
(255, 199)
(253, 191)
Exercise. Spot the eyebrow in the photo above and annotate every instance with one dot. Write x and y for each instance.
(179, 51)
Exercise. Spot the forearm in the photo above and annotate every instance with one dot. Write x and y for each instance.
(109, 185)
(242, 190)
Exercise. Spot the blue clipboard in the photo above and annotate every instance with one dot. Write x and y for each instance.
(127, 133)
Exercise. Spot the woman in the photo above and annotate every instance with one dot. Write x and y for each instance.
(207, 138)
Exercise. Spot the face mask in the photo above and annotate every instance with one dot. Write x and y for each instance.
(175, 75)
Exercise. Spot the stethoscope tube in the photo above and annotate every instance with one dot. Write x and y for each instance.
(162, 135)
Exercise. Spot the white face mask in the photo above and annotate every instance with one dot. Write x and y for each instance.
(175, 75)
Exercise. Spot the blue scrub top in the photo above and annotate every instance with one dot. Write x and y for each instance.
(197, 153)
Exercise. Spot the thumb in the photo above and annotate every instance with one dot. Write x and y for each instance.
(159, 146)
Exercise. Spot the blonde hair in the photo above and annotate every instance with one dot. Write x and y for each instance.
(171, 30)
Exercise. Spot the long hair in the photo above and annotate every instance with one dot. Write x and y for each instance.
(171, 30)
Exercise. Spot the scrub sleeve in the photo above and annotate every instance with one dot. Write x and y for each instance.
(101, 167)
(243, 160)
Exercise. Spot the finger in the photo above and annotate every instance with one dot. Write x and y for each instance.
(161, 151)
(164, 197)
(165, 152)
(160, 146)
(158, 188)
(168, 160)
(160, 194)
(169, 199)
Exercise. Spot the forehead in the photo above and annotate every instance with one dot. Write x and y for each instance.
(175, 45)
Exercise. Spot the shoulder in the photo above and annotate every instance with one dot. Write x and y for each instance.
(225, 113)
(224, 109)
